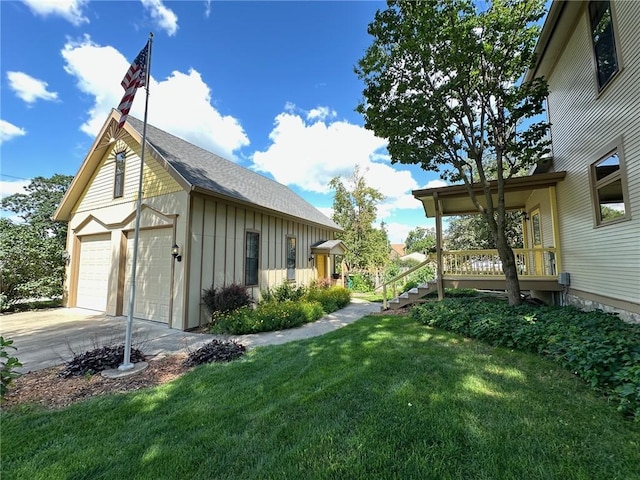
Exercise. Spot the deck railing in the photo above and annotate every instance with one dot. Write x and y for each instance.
(533, 262)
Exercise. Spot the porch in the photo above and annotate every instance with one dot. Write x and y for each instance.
(538, 264)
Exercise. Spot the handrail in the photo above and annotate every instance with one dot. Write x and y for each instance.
(398, 277)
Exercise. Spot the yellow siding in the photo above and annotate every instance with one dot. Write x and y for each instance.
(540, 199)
(602, 260)
(99, 193)
(217, 233)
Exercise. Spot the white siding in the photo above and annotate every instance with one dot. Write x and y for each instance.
(217, 236)
(602, 260)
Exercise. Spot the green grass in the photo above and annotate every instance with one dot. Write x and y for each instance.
(384, 397)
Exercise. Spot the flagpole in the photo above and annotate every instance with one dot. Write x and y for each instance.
(126, 364)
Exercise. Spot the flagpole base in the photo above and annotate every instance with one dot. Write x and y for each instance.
(124, 372)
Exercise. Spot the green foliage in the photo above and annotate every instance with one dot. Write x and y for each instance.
(332, 298)
(472, 232)
(442, 82)
(284, 292)
(361, 282)
(225, 299)
(267, 317)
(31, 257)
(596, 346)
(354, 207)
(7, 365)
(420, 240)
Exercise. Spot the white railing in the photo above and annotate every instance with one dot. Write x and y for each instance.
(533, 262)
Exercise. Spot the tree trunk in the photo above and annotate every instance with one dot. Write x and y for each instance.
(510, 269)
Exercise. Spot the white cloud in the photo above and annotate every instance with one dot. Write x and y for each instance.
(321, 113)
(207, 8)
(70, 10)
(162, 16)
(9, 187)
(8, 131)
(180, 104)
(435, 184)
(28, 88)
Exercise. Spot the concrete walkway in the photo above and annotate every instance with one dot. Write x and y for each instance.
(46, 338)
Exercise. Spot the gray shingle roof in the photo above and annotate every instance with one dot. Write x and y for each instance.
(219, 176)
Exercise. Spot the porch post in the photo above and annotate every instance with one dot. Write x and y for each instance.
(439, 281)
(555, 228)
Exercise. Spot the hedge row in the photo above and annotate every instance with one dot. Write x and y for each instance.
(596, 346)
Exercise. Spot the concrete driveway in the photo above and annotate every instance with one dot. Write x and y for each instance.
(45, 338)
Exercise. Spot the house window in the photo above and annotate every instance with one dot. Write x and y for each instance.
(609, 188)
(118, 181)
(604, 42)
(291, 259)
(252, 241)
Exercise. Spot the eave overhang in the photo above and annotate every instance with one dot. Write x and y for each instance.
(455, 199)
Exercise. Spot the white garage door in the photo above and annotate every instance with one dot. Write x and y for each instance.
(153, 275)
(93, 272)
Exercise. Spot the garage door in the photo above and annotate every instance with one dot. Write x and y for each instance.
(153, 275)
(93, 272)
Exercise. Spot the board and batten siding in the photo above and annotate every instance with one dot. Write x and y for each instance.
(217, 249)
(156, 180)
(602, 260)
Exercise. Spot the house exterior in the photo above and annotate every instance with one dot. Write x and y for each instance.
(581, 206)
(589, 53)
(226, 224)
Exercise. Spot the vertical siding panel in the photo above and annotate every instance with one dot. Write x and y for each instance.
(208, 244)
(241, 228)
(195, 258)
(220, 245)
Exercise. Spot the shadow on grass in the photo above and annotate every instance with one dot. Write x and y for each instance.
(384, 397)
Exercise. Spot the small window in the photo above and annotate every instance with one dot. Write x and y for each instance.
(609, 189)
(252, 241)
(291, 259)
(604, 42)
(118, 181)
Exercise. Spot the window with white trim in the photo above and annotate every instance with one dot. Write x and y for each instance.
(252, 249)
(604, 41)
(608, 183)
(118, 181)
(291, 259)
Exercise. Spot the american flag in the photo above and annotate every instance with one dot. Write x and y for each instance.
(135, 77)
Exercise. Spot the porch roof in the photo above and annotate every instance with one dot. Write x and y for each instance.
(455, 200)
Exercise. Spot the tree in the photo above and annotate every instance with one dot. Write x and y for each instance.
(354, 209)
(31, 256)
(471, 232)
(443, 86)
(420, 240)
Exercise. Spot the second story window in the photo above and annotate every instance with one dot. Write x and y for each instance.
(604, 42)
(608, 184)
(118, 181)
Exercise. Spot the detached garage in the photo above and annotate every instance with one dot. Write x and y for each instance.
(229, 225)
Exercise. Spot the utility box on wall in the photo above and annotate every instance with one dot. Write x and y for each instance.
(564, 279)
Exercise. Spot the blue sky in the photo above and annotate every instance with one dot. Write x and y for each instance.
(269, 85)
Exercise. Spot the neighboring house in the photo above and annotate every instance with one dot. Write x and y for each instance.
(229, 224)
(397, 251)
(581, 207)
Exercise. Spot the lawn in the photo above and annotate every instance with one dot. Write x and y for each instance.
(384, 397)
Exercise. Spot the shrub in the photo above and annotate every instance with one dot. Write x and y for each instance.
(225, 299)
(7, 365)
(267, 316)
(360, 282)
(215, 351)
(283, 293)
(98, 359)
(331, 298)
(597, 346)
